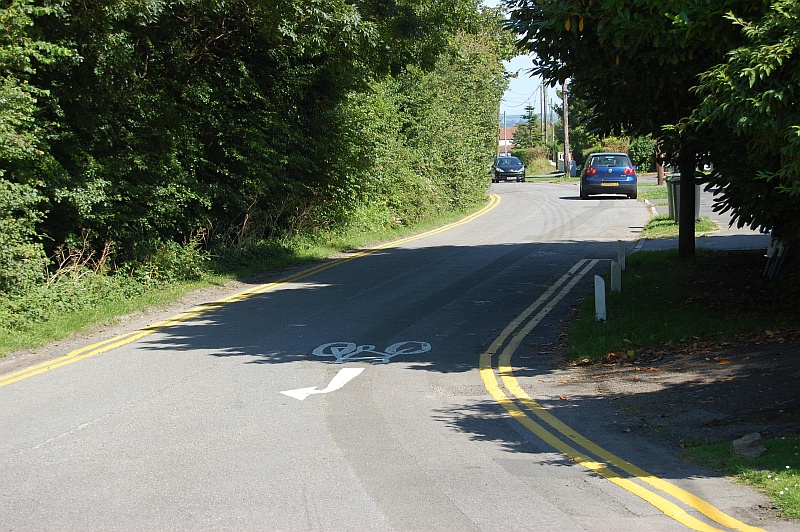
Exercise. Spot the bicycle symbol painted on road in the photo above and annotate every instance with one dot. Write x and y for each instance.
(347, 351)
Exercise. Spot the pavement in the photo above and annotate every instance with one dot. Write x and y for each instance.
(727, 238)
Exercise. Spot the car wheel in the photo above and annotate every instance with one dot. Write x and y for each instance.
(633, 195)
(522, 179)
(584, 195)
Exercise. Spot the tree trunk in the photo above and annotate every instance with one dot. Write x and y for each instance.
(567, 151)
(686, 163)
(659, 161)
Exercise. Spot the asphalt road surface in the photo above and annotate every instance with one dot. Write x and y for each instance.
(395, 388)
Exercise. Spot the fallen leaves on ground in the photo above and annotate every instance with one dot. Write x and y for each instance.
(644, 356)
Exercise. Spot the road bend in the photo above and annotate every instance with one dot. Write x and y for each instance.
(400, 387)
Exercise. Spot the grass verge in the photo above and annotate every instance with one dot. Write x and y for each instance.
(105, 312)
(547, 177)
(539, 166)
(114, 298)
(662, 226)
(652, 192)
(775, 473)
(655, 286)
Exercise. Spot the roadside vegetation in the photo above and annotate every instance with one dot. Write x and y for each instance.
(652, 192)
(540, 166)
(150, 148)
(80, 294)
(775, 473)
(552, 177)
(147, 148)
(662, 226)
(666, 301)
(655, 285)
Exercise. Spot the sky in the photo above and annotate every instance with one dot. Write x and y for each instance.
(524, 89)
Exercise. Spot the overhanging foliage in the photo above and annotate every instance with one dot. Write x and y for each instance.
(638, 63)
(244, 121)
(750, 112)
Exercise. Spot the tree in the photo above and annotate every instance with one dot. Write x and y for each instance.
(636, 62)
(427, 136)
(229, 116)
(749, 113)
(185, 115)
(642, 152)
(529, 131)
(580, 137)
(22, 257)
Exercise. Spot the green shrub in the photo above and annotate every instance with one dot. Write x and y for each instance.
(82, 288)
(540, 166)
(173, 262)
(83, 280)
(22, 259)
(642, 153)
(529, 155)
(609, 144)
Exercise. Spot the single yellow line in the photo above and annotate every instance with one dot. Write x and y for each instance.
(123, 339)
(512, 385)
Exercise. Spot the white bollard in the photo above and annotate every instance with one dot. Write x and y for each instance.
(616, 277)
(599, 298)
(621, 254)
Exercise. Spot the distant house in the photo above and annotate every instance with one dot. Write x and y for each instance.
(506, 140)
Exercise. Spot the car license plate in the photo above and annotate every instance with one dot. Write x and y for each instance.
(609, 184)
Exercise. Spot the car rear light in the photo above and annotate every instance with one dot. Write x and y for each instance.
(629, 171)
(591, 170)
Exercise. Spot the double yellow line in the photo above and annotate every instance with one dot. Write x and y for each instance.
(118, 341)
(604, 463)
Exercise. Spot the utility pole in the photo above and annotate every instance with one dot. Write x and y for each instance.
(530, 133)
(544, 115)
(498, 134)
(505, 133)
(566, 131)
(544, 110)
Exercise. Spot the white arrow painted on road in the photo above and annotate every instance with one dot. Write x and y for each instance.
(343, 377)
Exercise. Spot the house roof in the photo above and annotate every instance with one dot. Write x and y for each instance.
(507, 133)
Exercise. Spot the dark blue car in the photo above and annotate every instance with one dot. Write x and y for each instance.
(608, 173)
(507, 169)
